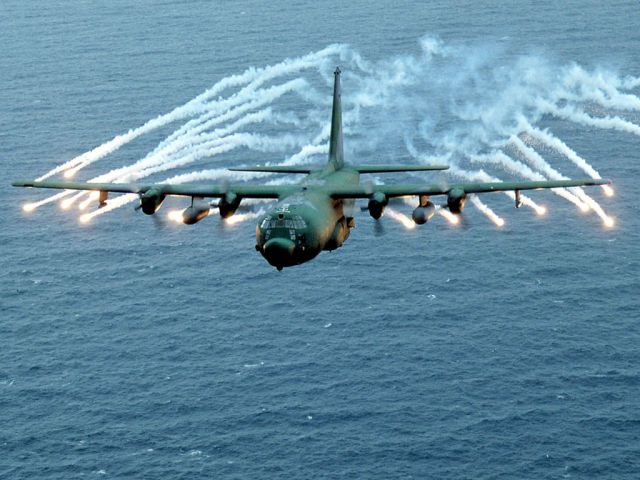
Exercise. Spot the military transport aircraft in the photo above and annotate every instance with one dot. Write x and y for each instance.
(312, 215)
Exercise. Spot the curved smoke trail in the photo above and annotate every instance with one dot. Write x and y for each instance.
(461, 103)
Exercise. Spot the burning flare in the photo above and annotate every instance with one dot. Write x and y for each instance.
(175, 216)
(491, 215)
(401, 218)
(451, 218)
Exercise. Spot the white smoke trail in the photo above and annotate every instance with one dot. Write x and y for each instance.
(223, 145)
(401, 218)
(482, 176)
(557, 144)
(504, 161)
(28, 207)
(450, 217)
(246, 99)
(585, 201)
(607, 122)
(222, 114)
(68, 202)
(216, 145)
(159, 163)
(205, 149)
(243, 217)
(306, 152)
(600, 87)
(85, 204)
(554, 142)
(212, 175)
(541, 164)
(490, 214)
(499, 158)
(454, 101)
(198, 105)
(189, 144)
(204, 140)
(630, 83)
(269, 94)
(188, 137)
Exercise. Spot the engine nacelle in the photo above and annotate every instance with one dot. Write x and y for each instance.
(377, 202)
(456, 199)
(151, 200)
(196, 212)
(228, 204)
(423, 213)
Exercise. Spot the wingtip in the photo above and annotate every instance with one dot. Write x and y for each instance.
(22, 183)
(598, 181)
(441, 166)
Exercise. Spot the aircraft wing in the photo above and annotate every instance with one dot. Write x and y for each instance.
(401, 190)
(333, 190)
(184, 189)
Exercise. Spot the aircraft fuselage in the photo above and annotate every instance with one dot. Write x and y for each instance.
(301, 225)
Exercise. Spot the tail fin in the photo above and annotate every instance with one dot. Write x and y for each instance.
(336, 154)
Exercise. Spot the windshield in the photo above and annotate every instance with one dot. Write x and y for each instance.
(294, 221)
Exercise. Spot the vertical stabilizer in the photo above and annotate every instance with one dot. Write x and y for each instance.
(336, 156)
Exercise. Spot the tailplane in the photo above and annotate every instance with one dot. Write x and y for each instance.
(396, 168)
(336, 154)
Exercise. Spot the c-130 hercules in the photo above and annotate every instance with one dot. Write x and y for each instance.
(310, 216)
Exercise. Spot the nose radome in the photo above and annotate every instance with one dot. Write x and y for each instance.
(278, 251)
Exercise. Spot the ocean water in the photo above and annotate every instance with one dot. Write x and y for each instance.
(135, 348)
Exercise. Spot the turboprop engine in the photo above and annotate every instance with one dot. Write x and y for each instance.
(197, 211)
(456, 199)
(228, 204)
(377, 202)
(423, 213)
(151, 200)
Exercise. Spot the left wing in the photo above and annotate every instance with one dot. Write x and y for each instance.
(187, 190)
(401, 190)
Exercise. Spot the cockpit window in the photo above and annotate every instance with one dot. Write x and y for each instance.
(294, 221)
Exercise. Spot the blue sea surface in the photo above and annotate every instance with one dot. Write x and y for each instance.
(134, 348)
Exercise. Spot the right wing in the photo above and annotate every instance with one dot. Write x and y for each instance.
(401, 190)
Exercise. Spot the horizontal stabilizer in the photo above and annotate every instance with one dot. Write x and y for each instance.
(396, 168)
(275, 169)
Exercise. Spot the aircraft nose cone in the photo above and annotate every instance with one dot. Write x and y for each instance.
(279, 252)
